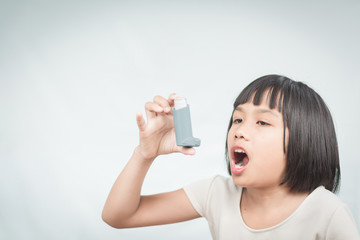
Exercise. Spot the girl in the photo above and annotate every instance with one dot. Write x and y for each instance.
(282, 156)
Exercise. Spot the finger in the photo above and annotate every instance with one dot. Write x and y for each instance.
(163, 103)
(187, 150)
(140, 121)
(172, 98)
(151, 109)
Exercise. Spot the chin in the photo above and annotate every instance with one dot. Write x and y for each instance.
(239, 181)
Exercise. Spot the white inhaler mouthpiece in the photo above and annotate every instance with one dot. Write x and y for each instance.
(182, 124)
(179, 103)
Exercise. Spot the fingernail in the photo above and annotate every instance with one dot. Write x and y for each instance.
(167, 109)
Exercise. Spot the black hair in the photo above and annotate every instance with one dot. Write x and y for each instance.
(312, 157)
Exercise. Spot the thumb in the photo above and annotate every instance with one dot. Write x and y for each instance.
(140, 121)
(187, 150)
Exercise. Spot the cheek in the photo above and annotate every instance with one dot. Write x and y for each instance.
(230, 136)
(272, 166)
(271, 151)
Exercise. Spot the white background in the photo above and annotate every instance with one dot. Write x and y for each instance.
(73, 74)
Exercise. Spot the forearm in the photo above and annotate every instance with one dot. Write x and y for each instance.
(124, 197)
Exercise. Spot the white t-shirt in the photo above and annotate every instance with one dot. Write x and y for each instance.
(322, 215)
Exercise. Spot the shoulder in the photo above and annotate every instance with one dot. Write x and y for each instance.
(342, 224)
(225, 186)
(334, 216)
(217, 181)
(323, 196)
(322, 202)
(210, 191)
(326, 201)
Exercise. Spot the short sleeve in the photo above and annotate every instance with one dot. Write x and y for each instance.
(342, 225)
(198, 194)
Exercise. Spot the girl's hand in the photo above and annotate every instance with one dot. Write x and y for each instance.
(157, 135)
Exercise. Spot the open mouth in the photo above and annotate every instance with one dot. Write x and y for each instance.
(240, 158)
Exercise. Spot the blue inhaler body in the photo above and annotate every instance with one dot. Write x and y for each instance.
(182, 124)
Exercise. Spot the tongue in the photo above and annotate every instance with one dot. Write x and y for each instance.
(245, 161)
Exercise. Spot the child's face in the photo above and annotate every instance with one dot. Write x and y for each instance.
(255, 146)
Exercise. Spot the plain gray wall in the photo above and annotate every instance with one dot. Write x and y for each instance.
(73, 74)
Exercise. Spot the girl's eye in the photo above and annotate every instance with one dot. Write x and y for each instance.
(238, 120)
(262, 123)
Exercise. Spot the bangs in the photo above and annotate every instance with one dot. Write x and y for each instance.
(272, 91)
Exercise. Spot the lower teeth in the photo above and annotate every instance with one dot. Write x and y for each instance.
(239, 165)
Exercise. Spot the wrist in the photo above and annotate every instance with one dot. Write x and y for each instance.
(142, 156)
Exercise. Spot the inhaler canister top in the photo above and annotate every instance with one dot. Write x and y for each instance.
(179, 103)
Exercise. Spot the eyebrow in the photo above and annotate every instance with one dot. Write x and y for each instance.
(259, 110)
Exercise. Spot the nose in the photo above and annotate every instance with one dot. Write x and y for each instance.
(241, 134)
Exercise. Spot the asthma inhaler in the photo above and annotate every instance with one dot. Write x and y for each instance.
(182, 124)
